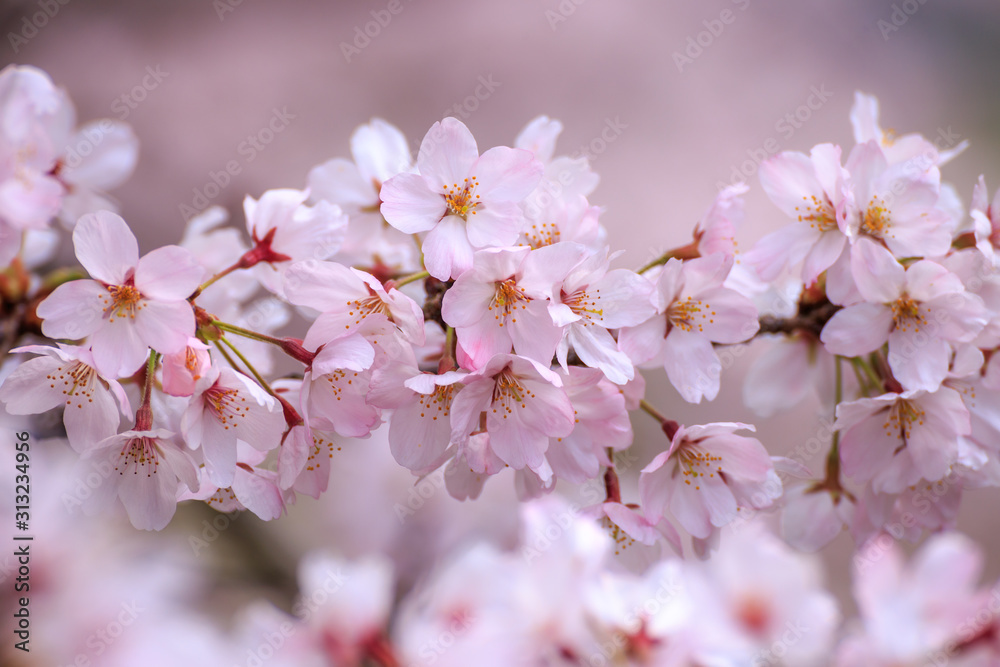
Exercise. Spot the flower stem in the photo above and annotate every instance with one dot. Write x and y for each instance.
(291, 347)
(246, 362)
(218, 276)
(144, 415)
(669, 426)
(406, 280)
(833, 458)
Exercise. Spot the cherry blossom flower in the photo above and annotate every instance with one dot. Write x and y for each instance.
(182, 370)
(811, 190)
(706, 476)
(895, 204)
(131, 305)
(253, 488)
(228, 407)
(812, 515)
(420, 425)
(380, 152)
(912, 148)
(285, 230)
(344, 604)
(986, 220)
(66, 376)
(149, 473)
(586, 300)
(918, 310)
(787, 372)
(895, 440)
(910, 612)
(524, 403)
(37, 118)
(492, 312)
(602, 423)
(346, 298)
(694, 311)
(462, 199)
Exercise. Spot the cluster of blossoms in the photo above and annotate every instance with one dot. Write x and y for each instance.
(466, 303)
(551, 593)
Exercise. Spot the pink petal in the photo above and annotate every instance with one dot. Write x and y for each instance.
(917, 361)
(106, 247)
(380, 150)
(789, 179)
(165, 326)
(168, 273)
(112, 159)
(496, 223)
(877, 274)
(644, 341)
(857, 329)
(409, 204)
(118, 349)
(506, 174)
(447, 154)
(73, 310)
(447, 251)
(692, 365)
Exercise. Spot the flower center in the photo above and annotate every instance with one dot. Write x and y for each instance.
(462, 200)
(122, 301)
(902, 417)
(695, 463)
(139, 454)
(621, 539)
(506, 299)
(877, 219)
(367, 306)
(78, 382)
(508, 393)
(906, 313)
(437, 404)
(191, 362)
(542, 234)
(685, 314)
(820, 214)
(225, 404)
(581, 303)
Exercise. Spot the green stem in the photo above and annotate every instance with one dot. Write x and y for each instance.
(876, 381)
(263, 383)
(663, 259)
(144, 415)
(246, 333)
(646, 407)
(218, 276)
(413, 277)
(833, 458)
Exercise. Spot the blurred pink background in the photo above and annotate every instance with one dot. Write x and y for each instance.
(684, 119)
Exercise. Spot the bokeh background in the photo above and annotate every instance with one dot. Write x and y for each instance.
(692, 92)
